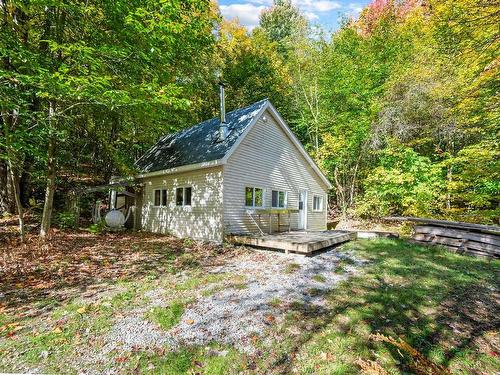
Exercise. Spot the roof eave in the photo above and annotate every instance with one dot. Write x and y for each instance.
(182, 168)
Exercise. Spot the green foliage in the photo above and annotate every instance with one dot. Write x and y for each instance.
(404, 183)
(102, 81)
(285, 24)
(252, 68)
(474, 182)
(97, 227)
(97, 79)
(65, 220)
(421, 75)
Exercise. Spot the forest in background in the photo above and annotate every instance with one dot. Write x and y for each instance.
(399, 107)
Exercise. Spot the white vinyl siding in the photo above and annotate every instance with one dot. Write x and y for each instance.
(267, 158)
(202, 219)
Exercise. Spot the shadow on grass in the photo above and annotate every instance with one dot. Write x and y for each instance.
(442, 304)
(37, 277)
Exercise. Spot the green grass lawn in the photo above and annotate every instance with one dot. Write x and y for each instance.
(445, 305)
(442, 304)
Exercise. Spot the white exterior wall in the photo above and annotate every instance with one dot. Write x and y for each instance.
(202, 220)
(268, 159)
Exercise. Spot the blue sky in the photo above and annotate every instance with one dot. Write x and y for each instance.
(322, 12)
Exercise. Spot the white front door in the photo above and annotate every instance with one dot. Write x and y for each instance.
(302, 209)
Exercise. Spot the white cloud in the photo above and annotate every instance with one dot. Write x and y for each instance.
(262, 2)
(249, 11)
(318, 6)
(354, 9)
(311, 16)
(247, 14)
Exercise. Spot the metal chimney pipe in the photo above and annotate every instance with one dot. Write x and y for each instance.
(223, 129)
(222, 103)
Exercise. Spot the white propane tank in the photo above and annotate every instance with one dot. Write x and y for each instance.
(115, 219)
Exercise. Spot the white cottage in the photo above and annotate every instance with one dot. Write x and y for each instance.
(245, 173)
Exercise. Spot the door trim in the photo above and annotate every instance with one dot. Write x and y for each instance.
(306, 194)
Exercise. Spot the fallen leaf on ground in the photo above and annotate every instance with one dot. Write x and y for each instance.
(190, 321)
(57, 330)
(12, 333)
(11, 327)
(326, 356)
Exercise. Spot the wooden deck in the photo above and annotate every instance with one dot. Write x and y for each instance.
(296, 242)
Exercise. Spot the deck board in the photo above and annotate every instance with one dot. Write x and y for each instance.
(297, 242)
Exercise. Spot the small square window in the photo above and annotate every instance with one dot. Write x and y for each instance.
(179, 196)
(160, 197)
(254, 197)
(249, 197)
(278, 199)
(187, 196)
(282, 199)
(317, 203)
(274, 198)
(259, 199)
(183, 196)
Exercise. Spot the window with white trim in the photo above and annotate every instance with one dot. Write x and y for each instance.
(160, 197)
(279, 199)
(254, 197)
(317, 203)
(183, 196)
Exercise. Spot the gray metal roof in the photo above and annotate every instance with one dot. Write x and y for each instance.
(198, 143)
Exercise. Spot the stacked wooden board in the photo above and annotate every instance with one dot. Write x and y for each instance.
(473, 239)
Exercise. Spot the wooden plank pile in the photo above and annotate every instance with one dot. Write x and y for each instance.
(473, 239)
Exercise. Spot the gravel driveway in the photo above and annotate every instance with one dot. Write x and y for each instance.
(234, 314)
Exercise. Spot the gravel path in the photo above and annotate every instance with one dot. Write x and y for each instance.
(234, 314)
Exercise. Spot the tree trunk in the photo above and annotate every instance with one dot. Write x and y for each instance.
(9, 121)
(352, 189)
(449, 178)
(14, 178)
(25, 183)
(6, 196)
(340, 192)
(51, 176)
